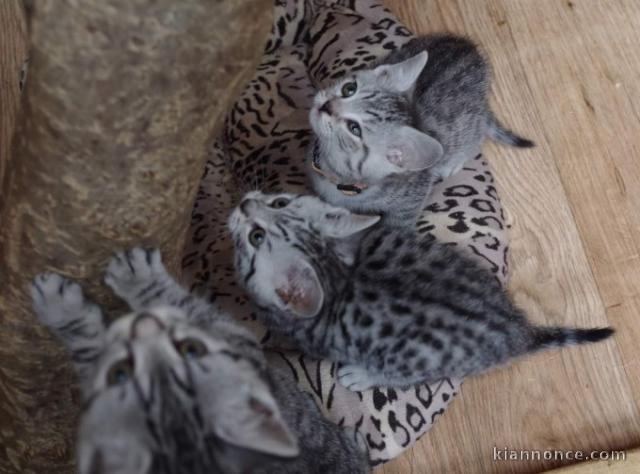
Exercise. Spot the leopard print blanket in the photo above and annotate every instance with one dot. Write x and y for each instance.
(263, 146)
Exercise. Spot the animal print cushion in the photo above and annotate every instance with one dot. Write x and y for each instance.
(263, 147)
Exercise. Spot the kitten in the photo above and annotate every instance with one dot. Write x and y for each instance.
(383, 135)
(394, 311)
(177, 387)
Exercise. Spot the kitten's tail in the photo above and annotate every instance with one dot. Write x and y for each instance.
(499, 133)
(549, 337)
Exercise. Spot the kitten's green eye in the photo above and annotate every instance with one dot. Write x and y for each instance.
(279, 203)
(120, 372)
(191, 348)
(256, 237)
(354, 128)
(349, 89)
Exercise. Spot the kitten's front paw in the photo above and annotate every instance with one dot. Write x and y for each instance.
(128, 271)
(355, 378)
(58, 301)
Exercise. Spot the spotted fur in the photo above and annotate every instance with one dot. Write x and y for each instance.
(393, 309)
(176, 387)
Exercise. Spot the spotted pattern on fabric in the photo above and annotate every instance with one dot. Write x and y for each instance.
(263, 147)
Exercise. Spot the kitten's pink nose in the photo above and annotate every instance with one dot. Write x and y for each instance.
(146, 325)
(326, 108)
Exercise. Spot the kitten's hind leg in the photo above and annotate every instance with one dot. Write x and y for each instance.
(75, 320)
(139, 277)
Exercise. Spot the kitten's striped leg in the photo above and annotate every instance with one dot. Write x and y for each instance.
(76, 321)
(139, 277)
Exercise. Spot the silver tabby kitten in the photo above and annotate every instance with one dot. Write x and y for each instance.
(176, 387)
(384, 134)
(394, 311)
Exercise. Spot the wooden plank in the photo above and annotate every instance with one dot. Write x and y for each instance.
(596, 95)
(598, 150)
(545, 53)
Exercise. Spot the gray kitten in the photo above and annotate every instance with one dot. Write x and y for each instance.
(394, 311)
(383, 135)
(177, 387)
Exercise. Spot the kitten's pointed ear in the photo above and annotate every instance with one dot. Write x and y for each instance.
(339, 223)
(264, 430)
(299, 290)
(413, 150)
(402, 76)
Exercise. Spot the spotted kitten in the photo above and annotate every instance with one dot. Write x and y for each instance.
(384, 134)
(176, 387)
(394, 311)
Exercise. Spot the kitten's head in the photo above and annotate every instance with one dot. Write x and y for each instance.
(288, 248)
(365, 128)
(167, 396)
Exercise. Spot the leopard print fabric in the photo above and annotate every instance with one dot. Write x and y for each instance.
(263, 147)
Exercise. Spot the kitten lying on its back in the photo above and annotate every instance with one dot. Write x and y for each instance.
(177, 388)
(384, 134)
(398, 311)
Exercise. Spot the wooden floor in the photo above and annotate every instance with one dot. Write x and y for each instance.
(567, 74)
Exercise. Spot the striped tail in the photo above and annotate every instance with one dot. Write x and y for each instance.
(497, 132)
(548, 337)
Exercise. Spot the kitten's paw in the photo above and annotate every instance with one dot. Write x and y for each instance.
(355, 378)
(129, 270)
(58, 301)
